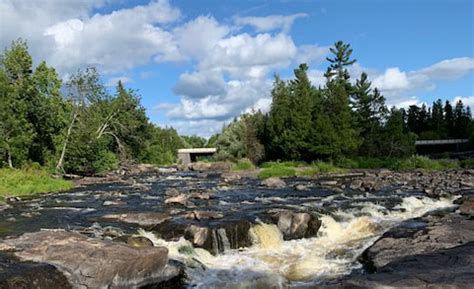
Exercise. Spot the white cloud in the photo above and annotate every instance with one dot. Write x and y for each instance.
(392, 79)
(466, 100)
(200, 84)
(311, 53)
(270, 23)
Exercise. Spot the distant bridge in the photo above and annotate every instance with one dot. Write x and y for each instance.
(440, 142)
(187, 156)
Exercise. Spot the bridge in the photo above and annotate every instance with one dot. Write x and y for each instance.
(187, 156)
(440, 142)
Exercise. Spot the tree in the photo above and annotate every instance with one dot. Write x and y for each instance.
(462, 118)
(16, 132)
(448, 119)
(437, 121)
(396, 142)
(278, 119)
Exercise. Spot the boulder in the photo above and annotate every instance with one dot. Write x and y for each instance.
(171, 192)
(15, 274)
(179, 199)
(329, 183)
(273, 182)
(467, 206)
(203, 215)
(439, 232)
(197, 235)
(92, 263)
(142, 219)
(139, 242)
(296, 225)
(301, 187)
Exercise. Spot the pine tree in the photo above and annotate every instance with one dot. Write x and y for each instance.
(278, 119)
(437, 121)
(448, 119)
(16, 133)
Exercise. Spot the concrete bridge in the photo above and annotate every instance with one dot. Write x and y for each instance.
(440, 142)
(187, 156)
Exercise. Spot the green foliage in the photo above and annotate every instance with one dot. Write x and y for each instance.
(243, 165)
(26, 182)
(277, 171)
(467, 164)
(421, 162)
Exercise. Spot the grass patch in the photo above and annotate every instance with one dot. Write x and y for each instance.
(467, 164)
(243, 165)
(277, 171)
(27, 182)
(425, 163)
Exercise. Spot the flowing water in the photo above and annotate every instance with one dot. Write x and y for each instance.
(351, 221)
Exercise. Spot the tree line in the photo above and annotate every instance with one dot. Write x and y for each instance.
(341, 119)
(76, 126)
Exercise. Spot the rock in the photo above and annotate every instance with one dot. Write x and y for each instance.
(468, 184)
(231, 177)
(15, 274)
(179, 199)
(445, 268)
(197, 235)
(440, 232)
(273, 182)
(142, 219)
(113, 203)
(217, 166)
(355, 184)
(467, 206)
(91, 263)
(296, 225)
(202, 215)
(330, 183)
(171, 192)
(301, 187)
(139, 242)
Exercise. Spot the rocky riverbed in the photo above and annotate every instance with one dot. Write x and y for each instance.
(207, 228)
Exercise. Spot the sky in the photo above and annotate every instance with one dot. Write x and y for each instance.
(199, 64)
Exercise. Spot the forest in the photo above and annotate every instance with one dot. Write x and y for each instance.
(79, 127)
(345, 118)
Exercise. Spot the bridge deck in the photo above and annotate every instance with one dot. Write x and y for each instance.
(441, 141)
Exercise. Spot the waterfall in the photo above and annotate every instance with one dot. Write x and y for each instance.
(266, 236)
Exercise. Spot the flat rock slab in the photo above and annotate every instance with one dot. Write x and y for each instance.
(441, 232)
(142, 219)
(92, 263)
(24, 275)
(447, 268)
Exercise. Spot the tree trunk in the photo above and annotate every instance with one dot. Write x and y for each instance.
(9, 159)
(59, 166)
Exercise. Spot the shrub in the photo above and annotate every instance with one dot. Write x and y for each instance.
(243, 165)
(277, 171)
(29, 181)
(467, 164)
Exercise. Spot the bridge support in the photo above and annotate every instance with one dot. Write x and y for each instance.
(187, 156)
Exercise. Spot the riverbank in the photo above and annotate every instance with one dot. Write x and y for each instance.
(16, 183)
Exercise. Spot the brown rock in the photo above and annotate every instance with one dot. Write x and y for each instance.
(142, 219)
(91, 263)
(273, 182)
(202, 215)
(467, 207)
(139, 242)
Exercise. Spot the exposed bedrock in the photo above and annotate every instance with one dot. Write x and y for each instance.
(92, 263)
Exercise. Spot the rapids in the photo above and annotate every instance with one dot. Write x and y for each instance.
(272, 262)
(351, 222)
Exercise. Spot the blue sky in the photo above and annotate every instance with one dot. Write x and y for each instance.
(198, 64)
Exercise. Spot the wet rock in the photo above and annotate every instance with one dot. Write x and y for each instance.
(330, 183)
(273, 182)
(444, 268)
(12, 200)
(441, 232)
(92, 263)
(467, 206)
(231, 177)
(218, 166)
(142, 219)
(139, 242)
(15, 274)
(113, 203)
(356, 184)
(203, 215)
(171, 192)
(296, 225)
(301, 187)
(197, 235)
(179, 199)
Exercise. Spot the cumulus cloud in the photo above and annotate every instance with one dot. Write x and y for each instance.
(200, 84)
(312, 53)
(113, 81)
(392, 79)
(466, 100)
(269, 23)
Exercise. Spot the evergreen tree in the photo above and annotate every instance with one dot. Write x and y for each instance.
(395, 141)
(448, 119)
(16, 132)
(437, 121)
